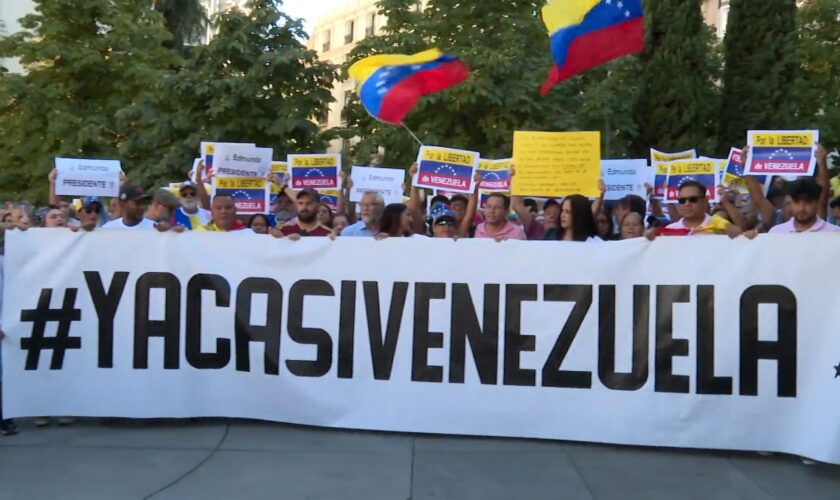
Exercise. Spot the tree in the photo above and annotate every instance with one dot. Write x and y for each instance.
(817, 87)
(254, 82)
(760, 69)
(185, 19)
(85, 62)
(505, 46)
(677, 98)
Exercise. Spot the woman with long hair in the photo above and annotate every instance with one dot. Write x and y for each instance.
(259, 224)
(325, 215)
(576, 220)
(397, 222)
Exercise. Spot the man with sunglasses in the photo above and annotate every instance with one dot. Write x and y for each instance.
(90, 215)
(693, 207)
(190, 215)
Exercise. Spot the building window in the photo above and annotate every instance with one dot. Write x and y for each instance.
(327, 36)
(348, 37)
(348, 95)
(370, 29)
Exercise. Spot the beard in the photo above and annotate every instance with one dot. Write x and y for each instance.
(190, 205)
(805, 219)
(307, 217)
(370, 219)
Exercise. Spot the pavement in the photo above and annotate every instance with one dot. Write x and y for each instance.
(232, 459)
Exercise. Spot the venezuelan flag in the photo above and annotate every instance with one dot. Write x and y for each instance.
(586, 33)
(390, 85)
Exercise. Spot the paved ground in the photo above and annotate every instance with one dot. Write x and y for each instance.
(251, 460)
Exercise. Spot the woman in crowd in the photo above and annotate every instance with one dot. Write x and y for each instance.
(632, 225)
(339, 222)
(604, 226)
(397, 222)
(259, 224)
(54, 217)
(576, 220)
(325, 215)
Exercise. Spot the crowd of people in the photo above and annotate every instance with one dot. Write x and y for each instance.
(806, 204)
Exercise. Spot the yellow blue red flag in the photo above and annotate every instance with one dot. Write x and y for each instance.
(390, 84)
(586, 33)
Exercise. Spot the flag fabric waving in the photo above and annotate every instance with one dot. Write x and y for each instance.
(586, 33)
(390, 84)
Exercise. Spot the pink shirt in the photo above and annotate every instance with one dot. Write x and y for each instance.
(820, 226)
(510, 232)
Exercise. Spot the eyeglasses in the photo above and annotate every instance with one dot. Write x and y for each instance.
(689, 199)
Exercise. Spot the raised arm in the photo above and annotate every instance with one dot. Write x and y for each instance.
(822, 179)
(341, 198)
(54, 201)
(762, 205)
(730, 209)
(599, 202)
(414, 203)
(203, 195)
(469, 215)
(518, 204)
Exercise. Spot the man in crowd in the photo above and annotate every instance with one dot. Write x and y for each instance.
(190, 214)
(534, 229)
(224, 220)
(133, 202)
(371, 206)
(163, 206)
(496, 224)
(805, 195)
(90, 214)
(693, 207)
(306, 223)
(444, 224)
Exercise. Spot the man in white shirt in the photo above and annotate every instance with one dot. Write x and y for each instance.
(133, 202)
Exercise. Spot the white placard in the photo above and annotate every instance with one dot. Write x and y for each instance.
(626, 177)
(238, 160)
(386, 181)
(82, 177)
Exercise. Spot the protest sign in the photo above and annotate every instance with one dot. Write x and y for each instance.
(445, 168)
(625, 177)
(208, 152)
(279, 169)
(250, 194)
(495, 175)
(616, 348)
(330, 197)
(239, 160)
(659, 162)
(386, 181)
(314, 171)
(702, 171)
(789, 153)
(556, 164)
(81, 177)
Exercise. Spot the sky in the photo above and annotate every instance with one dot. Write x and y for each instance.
(309, 10)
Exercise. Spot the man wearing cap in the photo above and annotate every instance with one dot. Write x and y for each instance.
(443, 224)
(90, 213)
(306, 223)
(190, 214)
(163, 206)
(133, 202)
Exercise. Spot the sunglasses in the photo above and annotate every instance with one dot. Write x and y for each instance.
(91, 210)
(188, 194)
(689, 199)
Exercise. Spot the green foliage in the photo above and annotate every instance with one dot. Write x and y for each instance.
(85, 62)
(505, 45)
(675, 108)
(760, 69)
(254, 82)
(185, 19)
(816, 91)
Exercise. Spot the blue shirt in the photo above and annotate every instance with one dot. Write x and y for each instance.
(357, 229)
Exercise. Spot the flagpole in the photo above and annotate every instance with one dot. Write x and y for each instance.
(412, 134)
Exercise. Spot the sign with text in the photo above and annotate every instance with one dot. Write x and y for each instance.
(781, 152)
(81, 177)
(554, 164)
(250, 194)
(237, 160)
(314, 171)
(386, 181)
(445, 168)
(330, 197)
(625, 177)
(495, 175)
(702, 171)
(279, 169)
(659, 161)
(208, 152)
(617, 348)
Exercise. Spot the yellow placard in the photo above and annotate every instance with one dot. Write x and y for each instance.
(659, 156)
(799, 139)
(495, 165)
(553, 164)
(313, 161)
(238, 183)
(444, 155)
(279, 167)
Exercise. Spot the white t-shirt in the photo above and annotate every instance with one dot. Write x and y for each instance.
(118, 224)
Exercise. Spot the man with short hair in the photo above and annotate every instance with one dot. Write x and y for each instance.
(805, 194)
(190, 214)
(371, 206)
(835, 209)
(496, 224)
(163, 206)
(90, 215)
(224, 216)
(694, 220)
(306, 223)
(133, 202)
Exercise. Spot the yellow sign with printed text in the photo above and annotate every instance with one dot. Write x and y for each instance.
(238, 183)
(444, 155)
(279, 169)
(313, 161)
(554, 164)
(768, 139)
(693, 167)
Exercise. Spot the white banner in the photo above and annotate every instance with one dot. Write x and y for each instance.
(240, 160)
(626, 177)
(386, 181)
(80, 177)
(637, 343)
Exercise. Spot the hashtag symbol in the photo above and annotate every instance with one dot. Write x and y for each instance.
(39, 317)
